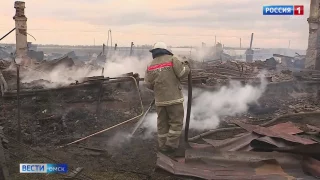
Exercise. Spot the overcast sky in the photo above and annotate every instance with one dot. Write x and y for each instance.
(176, 22)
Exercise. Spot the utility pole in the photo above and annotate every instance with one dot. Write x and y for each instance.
(289, 44)
(249, 52)
(131, 49)
(240, 43)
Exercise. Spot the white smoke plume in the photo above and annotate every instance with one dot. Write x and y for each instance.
(61, 75)
(118, 65)
(208, 107)
(118, 140)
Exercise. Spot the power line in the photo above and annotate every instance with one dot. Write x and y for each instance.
(103, 31)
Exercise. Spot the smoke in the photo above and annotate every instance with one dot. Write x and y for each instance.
(208, 107)
(62, 75)
(118, 65)
(118, 140)
(202, 53)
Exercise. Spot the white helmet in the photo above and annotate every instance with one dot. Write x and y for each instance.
(160, 45)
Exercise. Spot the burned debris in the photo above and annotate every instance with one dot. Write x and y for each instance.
(63, 108)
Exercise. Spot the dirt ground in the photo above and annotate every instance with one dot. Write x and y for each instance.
(55, 118)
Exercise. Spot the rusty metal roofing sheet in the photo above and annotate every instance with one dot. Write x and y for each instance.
(199, 146)
(205, 171)
(234, 144)
(287, 127)
(265, 142)
(276, 134)
(234, 157)
(211, 164)
(311, 166)
(309, 150)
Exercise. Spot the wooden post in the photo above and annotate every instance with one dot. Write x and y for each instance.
(131, 49)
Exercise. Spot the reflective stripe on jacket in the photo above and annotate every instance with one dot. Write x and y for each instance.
(163, 77)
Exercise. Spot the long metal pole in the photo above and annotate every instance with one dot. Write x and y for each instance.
(7, 34)
(251, 40)
(18, 102)
(189, 103)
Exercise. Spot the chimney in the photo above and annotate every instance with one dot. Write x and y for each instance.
(313, 51)
(21, 31)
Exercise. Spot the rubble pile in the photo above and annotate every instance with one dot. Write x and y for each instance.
(286, 119)
(291, 147)
(56, 112)
(56, 116)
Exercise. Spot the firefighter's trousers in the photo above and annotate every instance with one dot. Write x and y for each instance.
(170, 123)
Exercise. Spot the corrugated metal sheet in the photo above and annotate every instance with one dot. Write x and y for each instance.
(307, 150)
(287, 127)
(269, 142)
(234, 144)
(248, 141)
(311, 166)
(211, 164)
(232, 159)
(205, 171)
(276, 134)
(236, 157)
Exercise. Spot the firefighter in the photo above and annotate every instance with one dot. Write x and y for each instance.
(163, 76)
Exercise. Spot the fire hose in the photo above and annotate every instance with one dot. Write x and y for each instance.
(186, 130)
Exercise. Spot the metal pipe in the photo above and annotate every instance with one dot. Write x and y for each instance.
(7, 34)
(143, 118)
(18, 101)
(109, 128)
(186, 131)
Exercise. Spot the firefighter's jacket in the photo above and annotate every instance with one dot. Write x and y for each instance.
(163, 76)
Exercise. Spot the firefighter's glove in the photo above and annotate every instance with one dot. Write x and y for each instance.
(186, 63)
